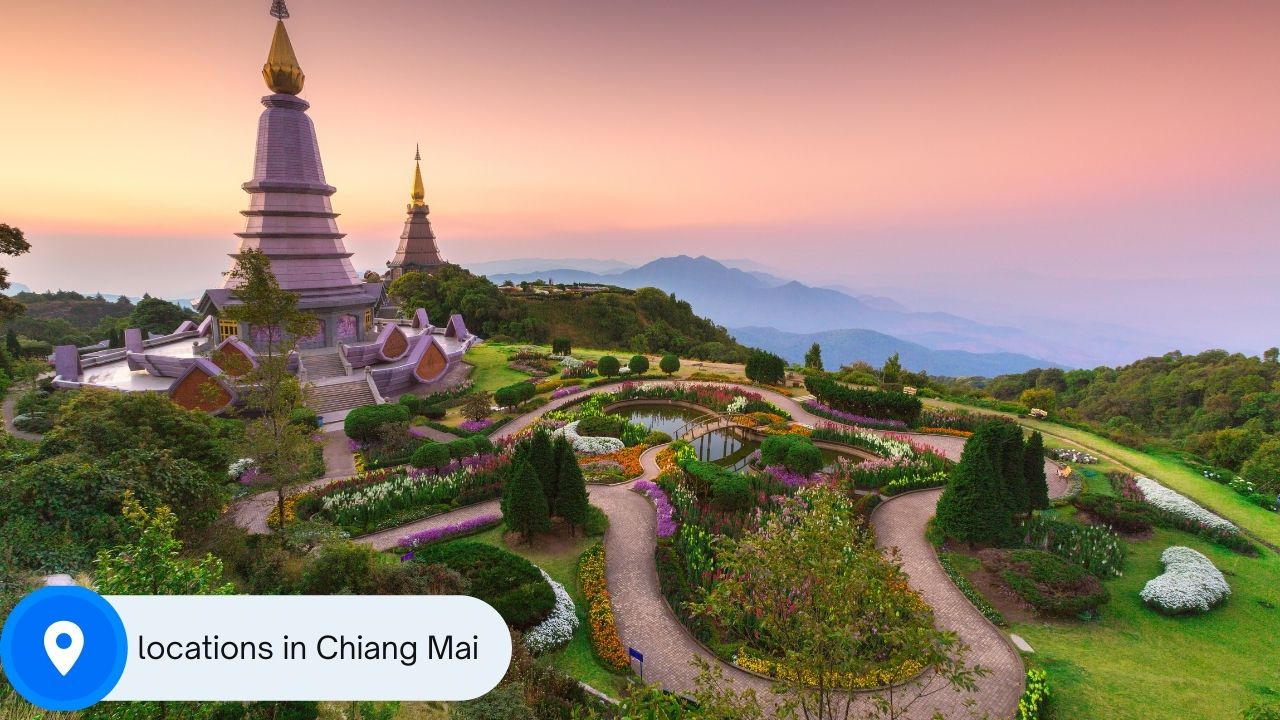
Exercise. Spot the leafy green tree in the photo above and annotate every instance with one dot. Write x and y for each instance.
(281, 450)
(1033, 464)
(608, 366)
(526, 511)
(830, 611)
(891, 372)
(11, 343)
(669, 364)
(765, 368)
(639, 364)
(562, 346)
(477, 405)
(813, 358)
(156, 316)
(150, 562)
(571, 488)
(1263, 468)
(12, 242)
(1043, 398)
(452, 289)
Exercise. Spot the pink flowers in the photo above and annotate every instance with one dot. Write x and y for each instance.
(787, 477)
(472, 426)
(566, 391)
(666, 514)
(831, 413)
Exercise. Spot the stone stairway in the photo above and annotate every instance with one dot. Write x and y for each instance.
(323, 365)
(336, 397)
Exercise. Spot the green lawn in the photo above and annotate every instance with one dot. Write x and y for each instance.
(490, 363)
(577, 659)
(1136, 663)
(1218, 498)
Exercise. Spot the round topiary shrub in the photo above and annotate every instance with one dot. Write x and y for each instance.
(304, 416)
(804, 458)
(669, 364)
(731, 492)
(608, 366)
(433, 412)
(363, 423)
(460, 448)
(430, 455)
(482, 443)
(512, 585)
(639, 364)
(774, 449)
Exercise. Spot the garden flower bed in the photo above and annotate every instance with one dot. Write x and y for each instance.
(666, 518)
(880, 678)
(451, 531)
(557, 630)
(967, 589)
(628, 460)
(587, 445)
(604, 633)
(1093, 547)
(713, 397)
(1172, 502)
(848, 418)
(1047, 582)
(1189, 584)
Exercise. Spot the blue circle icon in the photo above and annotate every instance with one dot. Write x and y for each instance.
(63, 648)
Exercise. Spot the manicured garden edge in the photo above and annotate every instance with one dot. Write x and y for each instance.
(967, 589)
(600, 622)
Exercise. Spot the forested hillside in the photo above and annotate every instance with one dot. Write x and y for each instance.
(65, 317)
(644, 320)
(1221, 406)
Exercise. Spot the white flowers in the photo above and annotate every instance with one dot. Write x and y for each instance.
(1170, 501)
(1189, 584)
(570, 361)
(737, 406)
(239, 467)
(558, 628)
(584, 445)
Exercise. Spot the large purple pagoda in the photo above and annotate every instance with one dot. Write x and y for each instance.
(290, 218)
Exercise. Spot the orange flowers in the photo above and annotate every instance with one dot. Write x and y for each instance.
(944, 431)
(604, 634)
(873, 679)
(628, 458)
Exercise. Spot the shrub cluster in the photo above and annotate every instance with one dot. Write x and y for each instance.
(1093, 547)
(1189, 584)
(512, 395)
(998, 478)
(512, 585)
(1035, 699)
(795, 452)
(1047, 582)
(364, 423)
(1124, 515)
(871, 403)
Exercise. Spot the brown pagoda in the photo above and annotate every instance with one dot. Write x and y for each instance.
(417, 251)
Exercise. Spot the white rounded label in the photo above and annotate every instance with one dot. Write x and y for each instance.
(337, 647)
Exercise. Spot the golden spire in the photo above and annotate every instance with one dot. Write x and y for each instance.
(282, 72)
(419, 194)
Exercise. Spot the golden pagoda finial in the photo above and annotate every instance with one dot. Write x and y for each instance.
(282, 72)
(419, 194)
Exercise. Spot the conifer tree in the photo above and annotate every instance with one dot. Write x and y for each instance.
(519, 453)
(1012, 472)
(1033, 464)
(813, 358)
(974, 505)
(527, 507)
(543, 459)
(571, 502)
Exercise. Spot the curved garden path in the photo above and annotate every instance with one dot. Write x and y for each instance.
(9, 410)
(645, 620)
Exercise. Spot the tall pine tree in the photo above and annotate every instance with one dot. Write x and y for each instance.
(543, 459)
(1033, 472)
(974, 506)
(1013, 476)
(526, 506)
(571, 502)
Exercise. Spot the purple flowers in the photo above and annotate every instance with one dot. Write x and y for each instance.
(849, 418)
(566, 391)
(666, 519)
(444, 532)
(475, 425)
(788, 478)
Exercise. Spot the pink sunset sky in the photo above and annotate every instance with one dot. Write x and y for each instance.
(1098, 161)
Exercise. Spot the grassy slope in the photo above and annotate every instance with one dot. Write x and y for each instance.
(1218, 498)
(1135, 663)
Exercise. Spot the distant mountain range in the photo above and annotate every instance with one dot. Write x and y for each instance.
(839, 347)
(739, 298)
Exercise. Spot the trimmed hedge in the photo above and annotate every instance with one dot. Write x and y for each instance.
(870, 403)
(363, 423)
(514, 394)
(430, 455)
(512, 585)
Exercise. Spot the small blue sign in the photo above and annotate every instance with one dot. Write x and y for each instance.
(635, 654)
(63, 648)
(406, 557)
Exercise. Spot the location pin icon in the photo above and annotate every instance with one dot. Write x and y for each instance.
(63, 642)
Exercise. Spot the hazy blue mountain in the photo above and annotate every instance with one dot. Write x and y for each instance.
(15, 288)
(738, 298)
(841, 347)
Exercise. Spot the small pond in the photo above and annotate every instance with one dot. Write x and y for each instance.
(728, 448)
